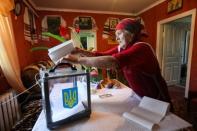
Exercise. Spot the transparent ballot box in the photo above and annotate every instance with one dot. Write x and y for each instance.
(66, 96)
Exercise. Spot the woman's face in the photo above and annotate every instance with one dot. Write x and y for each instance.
(124, 38)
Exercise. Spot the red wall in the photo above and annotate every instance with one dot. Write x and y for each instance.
(25, 57)
(158, 13)
(100, 19)
(23, 47)
(150, 17)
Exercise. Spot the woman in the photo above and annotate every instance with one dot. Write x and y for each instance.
(135, 58)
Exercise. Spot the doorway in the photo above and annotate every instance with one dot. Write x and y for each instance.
(174, 48)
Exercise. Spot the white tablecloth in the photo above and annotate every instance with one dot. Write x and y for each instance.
(107, 115)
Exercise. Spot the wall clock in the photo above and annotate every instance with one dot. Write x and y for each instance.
(18, 8)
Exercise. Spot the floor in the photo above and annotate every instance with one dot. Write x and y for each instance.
(180, 108)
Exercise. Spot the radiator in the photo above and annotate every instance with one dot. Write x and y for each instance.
(9, 111)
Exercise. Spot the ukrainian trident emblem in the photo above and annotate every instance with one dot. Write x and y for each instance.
(70, 97)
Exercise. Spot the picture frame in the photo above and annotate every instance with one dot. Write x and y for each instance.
(112, 23)
(85, 23)
(174, 5)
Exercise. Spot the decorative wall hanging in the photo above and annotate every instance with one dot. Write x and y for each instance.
(30, 27)
(55, 25)
(109, 30)
(52, 27)
(84, 23)
(113, 22)
(174, 5)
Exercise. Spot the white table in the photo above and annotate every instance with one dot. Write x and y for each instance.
(107, 115)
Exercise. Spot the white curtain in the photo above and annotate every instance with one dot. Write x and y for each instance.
(174, 39)
(6, 6)
(8, 53)
(172, 48)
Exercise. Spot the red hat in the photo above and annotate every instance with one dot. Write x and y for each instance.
(125, 24)
(132, 25)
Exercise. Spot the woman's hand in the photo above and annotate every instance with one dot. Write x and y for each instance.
(82, 52)
(77, 50)
(70, 58)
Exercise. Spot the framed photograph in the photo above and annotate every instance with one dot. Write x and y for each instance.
(174, 5)
(112, 23)
(85, 23)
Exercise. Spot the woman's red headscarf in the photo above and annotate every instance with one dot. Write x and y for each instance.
(133, 26)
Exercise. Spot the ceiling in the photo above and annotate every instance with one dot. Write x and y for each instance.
(121, 7)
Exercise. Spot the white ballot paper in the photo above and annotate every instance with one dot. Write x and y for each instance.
(57, 52)
(57, 108)
(148, 113)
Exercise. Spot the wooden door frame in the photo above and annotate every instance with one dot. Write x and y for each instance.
(159, 43)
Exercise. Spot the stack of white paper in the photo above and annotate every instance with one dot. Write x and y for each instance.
(57, 52)
(148, 113)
